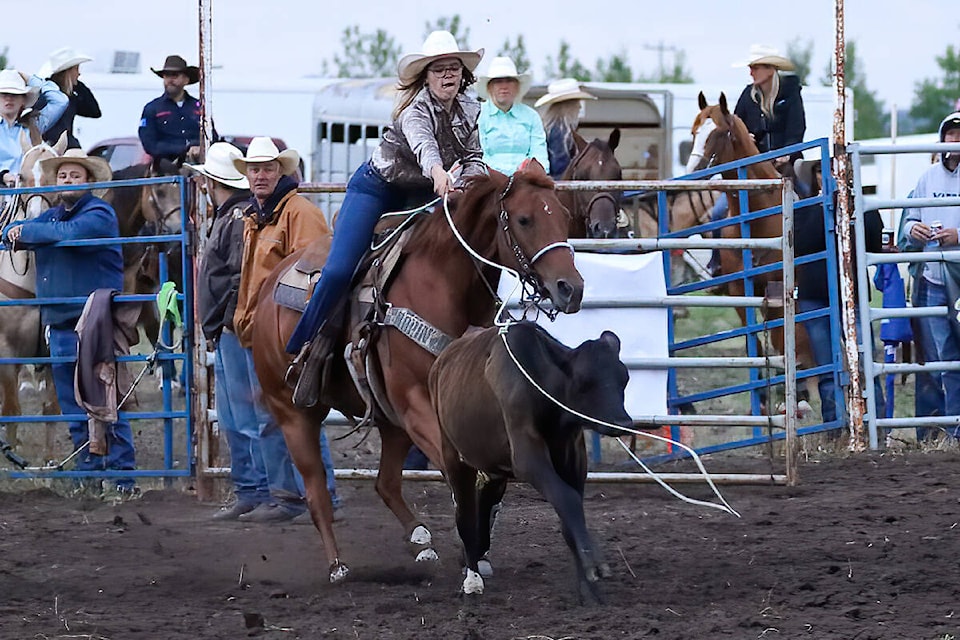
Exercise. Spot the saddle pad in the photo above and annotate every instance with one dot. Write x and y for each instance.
(294, 288)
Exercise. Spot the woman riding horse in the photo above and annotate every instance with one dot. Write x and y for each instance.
(564, 100)
(434, 127)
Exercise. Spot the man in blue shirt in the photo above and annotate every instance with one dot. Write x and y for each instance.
(72, 272)
(510, 131)
(170, 124)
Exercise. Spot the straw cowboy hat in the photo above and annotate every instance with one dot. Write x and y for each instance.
(804, 170)
(97, 168)
(12, 82)
(219, 166)
(562, 90)
(61, 60)
(439, 44)
(763, 54)
(176, 63)
(263, 149)
(502, 67)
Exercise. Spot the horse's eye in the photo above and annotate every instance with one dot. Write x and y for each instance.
(524, 221)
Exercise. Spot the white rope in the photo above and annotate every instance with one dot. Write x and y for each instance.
(725, 506)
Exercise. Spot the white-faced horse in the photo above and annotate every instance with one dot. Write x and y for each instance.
(20, 331)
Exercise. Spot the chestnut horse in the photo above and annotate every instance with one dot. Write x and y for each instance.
(594, 214)
(719, 137)
(517, 222)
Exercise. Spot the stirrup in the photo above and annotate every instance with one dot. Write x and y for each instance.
(307, 389)
(292, 376)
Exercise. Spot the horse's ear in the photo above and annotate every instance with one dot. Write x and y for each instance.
(614, 139)
(723, 104)
(61, 144)
(24, 142)
(702, 101)
(533, 166)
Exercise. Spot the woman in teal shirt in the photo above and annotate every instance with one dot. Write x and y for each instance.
(510, 131)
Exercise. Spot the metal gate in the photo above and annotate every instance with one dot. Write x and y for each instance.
(172, 420)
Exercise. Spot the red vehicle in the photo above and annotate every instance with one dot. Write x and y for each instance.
(127, 151)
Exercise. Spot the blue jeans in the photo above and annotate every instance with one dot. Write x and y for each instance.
(261, 465)
(818, 330)
(368, 197)
(120, 452)
(938, 344)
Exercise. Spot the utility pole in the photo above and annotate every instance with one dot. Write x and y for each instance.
(660, 48)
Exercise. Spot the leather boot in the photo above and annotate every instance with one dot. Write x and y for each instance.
(307, 390)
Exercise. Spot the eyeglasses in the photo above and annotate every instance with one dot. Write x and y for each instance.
(452, 69)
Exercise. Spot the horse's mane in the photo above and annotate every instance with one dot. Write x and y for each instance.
(126, 198)
(434, 234)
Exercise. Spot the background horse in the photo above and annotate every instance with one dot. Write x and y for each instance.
(153, 209)
(20, 330)
(493, 420)
(594, 214)
(518, 222)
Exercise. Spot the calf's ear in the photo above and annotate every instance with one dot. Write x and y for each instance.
(611, 339)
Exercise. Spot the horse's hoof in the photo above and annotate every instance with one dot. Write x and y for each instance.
(338, 572)
(485, 568)
(604, 570)
(421, 535)
(428, 555)
(473, 583)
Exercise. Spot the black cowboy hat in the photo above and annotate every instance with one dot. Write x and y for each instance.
(176, 63)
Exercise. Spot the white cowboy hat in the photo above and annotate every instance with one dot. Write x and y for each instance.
(439, 44)
(11, 82)
(60, 60)
(263, 149)
(564, 89)
(502, 67)
(97, 168)
(219, 166)
(764, 54)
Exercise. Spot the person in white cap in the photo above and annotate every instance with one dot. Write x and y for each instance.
(771, 106)
(277, 222)
(510, 131)
(63, 68)
(563, 102)
(434, 127)
(938, 283)
(239, 412)
(17, 94)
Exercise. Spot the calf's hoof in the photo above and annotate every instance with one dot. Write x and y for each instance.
(473, 583)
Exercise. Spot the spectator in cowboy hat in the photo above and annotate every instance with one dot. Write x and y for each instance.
(63, 68)
(563, 102)
(434, 127)
(17, 94)
(66, 272)
(510, 131)
(170, 124)
(238, 409)
(277, 223)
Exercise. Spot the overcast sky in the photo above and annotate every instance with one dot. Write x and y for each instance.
(897, 40)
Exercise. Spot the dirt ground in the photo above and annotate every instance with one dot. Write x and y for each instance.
(866, 547)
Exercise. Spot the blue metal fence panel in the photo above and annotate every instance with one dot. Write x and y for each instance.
(169, 416)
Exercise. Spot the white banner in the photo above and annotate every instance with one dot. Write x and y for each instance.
(642, 332)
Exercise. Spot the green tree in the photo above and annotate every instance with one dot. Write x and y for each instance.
(800, 53)
(516, 52)
(675, 74)
(3, 58)
(615, 69)
(566, 66)
(936, 97)
(454, 25)
(365, 55)
(869, 117)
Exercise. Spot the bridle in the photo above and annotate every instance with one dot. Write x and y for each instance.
(597, 197)
(163, 215)
(22, 204)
